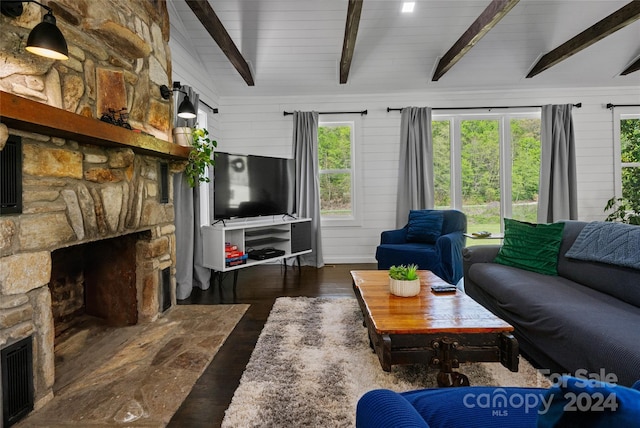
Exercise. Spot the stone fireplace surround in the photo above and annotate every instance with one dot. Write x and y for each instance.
(80, 194)
(80, 187)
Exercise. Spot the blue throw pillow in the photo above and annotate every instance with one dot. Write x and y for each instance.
(424, 226)
(613, 243)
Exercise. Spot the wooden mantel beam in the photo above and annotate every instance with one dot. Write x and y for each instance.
(350, 33)
(205, 13)
(30, 116)
(496, 10)
(607, 26)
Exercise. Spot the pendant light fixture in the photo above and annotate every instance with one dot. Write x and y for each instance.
(45, 39)
(186, 110)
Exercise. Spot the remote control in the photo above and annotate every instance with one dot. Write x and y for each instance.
(443, 288)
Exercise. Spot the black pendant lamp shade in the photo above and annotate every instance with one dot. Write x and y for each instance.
(46, 39)
(186, 109)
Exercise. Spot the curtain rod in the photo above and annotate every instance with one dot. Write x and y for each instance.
(214, 110)
(622, 105)
(578, 105)
(361, 113)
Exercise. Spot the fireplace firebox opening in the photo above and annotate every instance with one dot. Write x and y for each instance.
(96, 279)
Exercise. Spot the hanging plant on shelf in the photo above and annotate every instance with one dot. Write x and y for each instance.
(201, 156)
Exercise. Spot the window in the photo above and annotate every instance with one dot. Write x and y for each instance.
(630, 157)
(525, 167)
(335, 167)
(488, 167)
(480, 173)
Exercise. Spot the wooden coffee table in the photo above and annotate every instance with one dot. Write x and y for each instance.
(441, 330)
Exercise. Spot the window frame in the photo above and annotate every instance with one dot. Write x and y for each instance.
(206, 189)
(355, 124)
(619, 114)
(505, 142)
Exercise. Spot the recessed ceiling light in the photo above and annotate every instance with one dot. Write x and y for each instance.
(407, 6)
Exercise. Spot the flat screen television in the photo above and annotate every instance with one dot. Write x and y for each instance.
(251, 186)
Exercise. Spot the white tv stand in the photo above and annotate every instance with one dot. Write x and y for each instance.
(291, 235)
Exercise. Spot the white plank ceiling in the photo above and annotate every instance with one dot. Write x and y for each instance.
(294, 46)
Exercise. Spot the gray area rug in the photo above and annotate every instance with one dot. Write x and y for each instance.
(313, 362)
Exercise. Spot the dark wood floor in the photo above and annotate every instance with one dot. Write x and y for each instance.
(258, 286)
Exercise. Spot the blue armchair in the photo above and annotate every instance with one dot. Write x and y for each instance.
(571, 402)
(432, 239)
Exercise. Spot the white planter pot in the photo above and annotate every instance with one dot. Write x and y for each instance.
(182, 136)
(404, 288)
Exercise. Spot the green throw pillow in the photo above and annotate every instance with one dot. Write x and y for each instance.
(530, 246)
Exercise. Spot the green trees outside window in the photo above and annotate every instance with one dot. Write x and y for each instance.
(525, 168)
(627, 208)
(441, 134)
(334, 164)
(475, 184)
(480, 164)
(630, 157)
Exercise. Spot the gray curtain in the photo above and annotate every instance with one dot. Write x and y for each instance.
(305, 146)
(415, 173)
(189, 270)
(558, 185)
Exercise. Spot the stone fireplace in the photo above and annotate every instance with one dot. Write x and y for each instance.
(94, 246)
(95, 234)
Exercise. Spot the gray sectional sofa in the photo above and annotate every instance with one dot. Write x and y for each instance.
(585, 320)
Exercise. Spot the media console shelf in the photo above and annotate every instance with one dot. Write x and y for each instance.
(293, 236)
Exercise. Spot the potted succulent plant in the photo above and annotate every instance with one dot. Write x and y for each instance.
(201, 156)
(404, 280)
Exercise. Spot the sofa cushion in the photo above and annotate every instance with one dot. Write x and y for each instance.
(468, 406)
(424, 226)
(578, 327)
(424, 255)
(589, 403)
(383, 408)
(533, 247)
(618, 281)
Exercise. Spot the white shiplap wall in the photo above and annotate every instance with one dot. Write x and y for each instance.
(188, 69)
(256, 125)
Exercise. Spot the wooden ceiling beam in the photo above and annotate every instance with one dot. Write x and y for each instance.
(206, 15)
(635, 66)
(603, 28)
(350, 33)
(496, 10)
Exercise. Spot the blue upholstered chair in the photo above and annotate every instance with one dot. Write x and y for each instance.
(432, 239)
(571, 402)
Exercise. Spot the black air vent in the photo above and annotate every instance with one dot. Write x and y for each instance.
(17, 381)
(164, 183)
(11, 176)
(166, 289)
